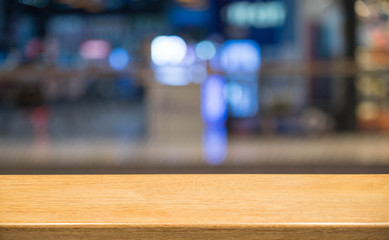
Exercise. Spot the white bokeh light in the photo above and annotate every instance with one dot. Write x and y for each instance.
(168, 50)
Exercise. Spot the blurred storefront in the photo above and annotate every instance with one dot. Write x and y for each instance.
(152, 84)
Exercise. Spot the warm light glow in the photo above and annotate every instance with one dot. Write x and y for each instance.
(361, 9)
(367, 111)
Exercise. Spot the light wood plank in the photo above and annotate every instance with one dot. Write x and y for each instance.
(194, 207)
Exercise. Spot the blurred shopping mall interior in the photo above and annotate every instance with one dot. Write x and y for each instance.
(194, 86)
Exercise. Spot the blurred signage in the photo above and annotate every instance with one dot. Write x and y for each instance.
(183, 16)
(268, 22)
(256, 14)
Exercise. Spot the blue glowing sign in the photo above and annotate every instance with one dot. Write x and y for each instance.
(268, 22)
(259, 14)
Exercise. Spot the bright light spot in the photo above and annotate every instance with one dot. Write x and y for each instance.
(94, 49)
(205, 50)
(213, 104)
(240, 56)
(168, 50)
(174, 76)
(215, 144)
(118, 59)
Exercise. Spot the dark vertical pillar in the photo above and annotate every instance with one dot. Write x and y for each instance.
(2, 13)
(350, 27)
(346, 118)
(42, 16)
(5, 19)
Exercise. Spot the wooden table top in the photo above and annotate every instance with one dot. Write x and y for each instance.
(194, 206)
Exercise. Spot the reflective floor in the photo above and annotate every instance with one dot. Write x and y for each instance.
(328, 154)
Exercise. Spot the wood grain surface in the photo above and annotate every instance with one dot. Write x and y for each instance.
(194, 207)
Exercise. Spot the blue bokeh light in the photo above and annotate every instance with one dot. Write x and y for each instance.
(215, 144)
(213, 103)
(242, 99)
(240, 56)
(118, 59)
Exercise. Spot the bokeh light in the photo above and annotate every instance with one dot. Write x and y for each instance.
(205, 50)
(213, 104)
(242, 99)
(119, 58)
(240, 56)
(172, 75)
(215, 145)
(168, 50)
(95, 49)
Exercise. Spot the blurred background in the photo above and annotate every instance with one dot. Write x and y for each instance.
(194, 86)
